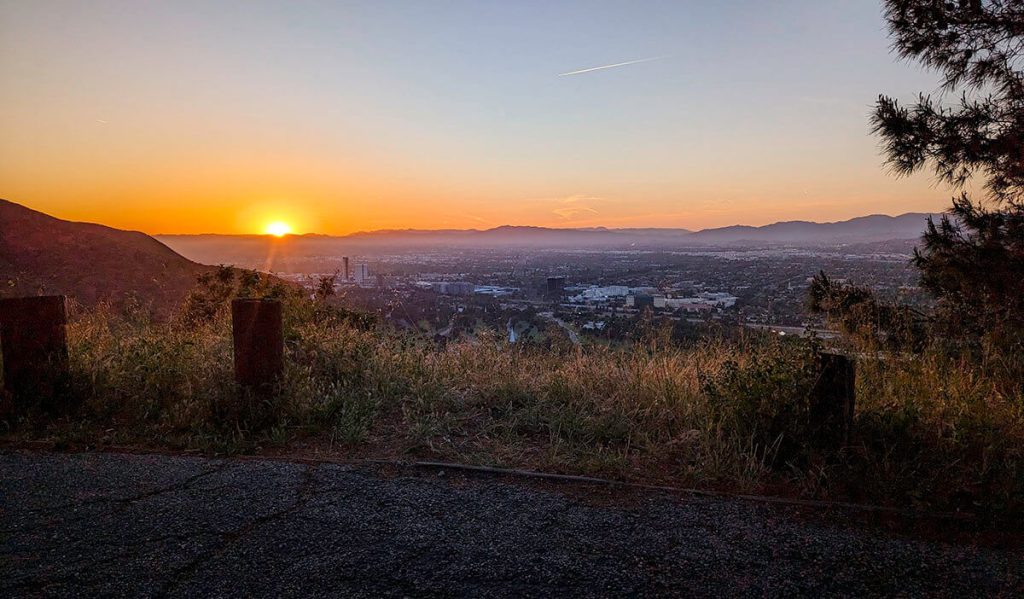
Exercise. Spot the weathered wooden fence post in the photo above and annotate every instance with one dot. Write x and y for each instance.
(258, 342)
(35, 348)
(832, 399)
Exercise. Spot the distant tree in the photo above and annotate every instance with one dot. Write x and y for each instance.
(248, 283)
(210, 298)
(211, 295)
(861, 316)
(325, 287)
(972, 260)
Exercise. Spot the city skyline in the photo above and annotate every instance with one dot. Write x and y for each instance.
(207, 118)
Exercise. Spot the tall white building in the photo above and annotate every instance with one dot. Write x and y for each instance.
(362, 274)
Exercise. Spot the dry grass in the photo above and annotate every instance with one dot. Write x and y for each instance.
(933, 431)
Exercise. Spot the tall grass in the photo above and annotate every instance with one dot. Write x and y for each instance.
(932, 431)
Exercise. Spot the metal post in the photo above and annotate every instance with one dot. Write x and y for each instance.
(832, 399)
(35, 347)
(258, 342)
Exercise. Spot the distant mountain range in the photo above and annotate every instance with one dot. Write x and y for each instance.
(91, 262)
(858, 230)
(526, 235)
(43, 255)
(291, 251)
(876, 227)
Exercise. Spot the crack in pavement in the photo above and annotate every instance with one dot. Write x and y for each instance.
(300, 529)
(304, 492)
(173, 488)
(42, 582)
(122, 503)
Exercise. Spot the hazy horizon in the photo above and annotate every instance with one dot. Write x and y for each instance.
(335, 118)
(496, 227)
(527, 226)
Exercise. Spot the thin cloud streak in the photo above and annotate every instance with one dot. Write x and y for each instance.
(611, 66)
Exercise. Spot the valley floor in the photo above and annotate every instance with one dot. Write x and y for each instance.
(154, 525)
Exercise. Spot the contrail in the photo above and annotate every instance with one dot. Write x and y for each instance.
(611, 66)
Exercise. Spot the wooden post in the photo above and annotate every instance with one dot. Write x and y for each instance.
(35, 348)
(258, 342)
(832, 399)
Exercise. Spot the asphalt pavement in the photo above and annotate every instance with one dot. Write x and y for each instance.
(102, 524)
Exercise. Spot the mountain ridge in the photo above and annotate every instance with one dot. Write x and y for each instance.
(277, 252)
(92, 263)
(904, 226)
(872, 227)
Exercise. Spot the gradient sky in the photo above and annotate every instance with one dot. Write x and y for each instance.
(220, 116)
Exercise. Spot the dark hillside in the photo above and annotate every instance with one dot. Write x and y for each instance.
(40, 254)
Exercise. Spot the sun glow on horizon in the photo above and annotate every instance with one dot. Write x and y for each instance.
(278, 229)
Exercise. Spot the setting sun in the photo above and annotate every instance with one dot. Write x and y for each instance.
(278, 229)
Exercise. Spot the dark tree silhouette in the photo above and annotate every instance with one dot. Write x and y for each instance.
(325, 287)
(862, 317)
(973, 258)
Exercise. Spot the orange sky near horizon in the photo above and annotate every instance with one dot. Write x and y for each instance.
(181, 117)
(229, 211)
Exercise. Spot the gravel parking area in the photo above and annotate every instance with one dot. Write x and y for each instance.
(153, 525)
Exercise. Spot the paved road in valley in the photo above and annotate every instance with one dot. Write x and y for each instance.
(133, 525)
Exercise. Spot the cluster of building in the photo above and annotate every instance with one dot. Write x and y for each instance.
(361, 276)
(597, 294)
(465, 288)
(649, 297)
(345, 277)
(702, 302)
(496, 290)
(451, 287)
